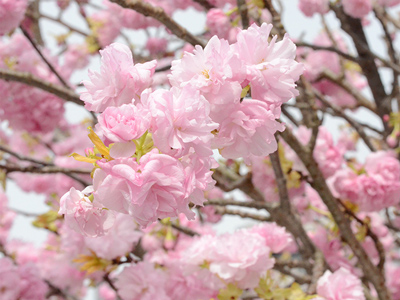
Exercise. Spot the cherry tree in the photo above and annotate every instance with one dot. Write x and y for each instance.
(188, 129)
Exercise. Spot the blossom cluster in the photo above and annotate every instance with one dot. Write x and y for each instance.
(156, 145)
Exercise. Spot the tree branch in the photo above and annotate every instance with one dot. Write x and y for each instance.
(331, 49)
(244, 14)
(64, 83)
(29, 79)
(374, 274)
(159, 14)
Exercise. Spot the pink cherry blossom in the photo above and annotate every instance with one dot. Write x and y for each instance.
(340, 285)
(122, 124)
(215, 71)
(198, 177)
(180, 120)
(276, 237)
(30, 109)
(271, 68)
(310, 7)
(11, 14)
(84, 216)
(119, 81)
(118, 241)
(219, 24)
(249, 123)
(107, 293)
(142, 282)
(230, 262)
(181, 286)
(6, 217)
(152, 189)
(10, 286)
(157, 46)
(77, 57)
(32, 286)
(107, 27)
(357, 8)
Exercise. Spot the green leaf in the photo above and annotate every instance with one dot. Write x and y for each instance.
(231, 292)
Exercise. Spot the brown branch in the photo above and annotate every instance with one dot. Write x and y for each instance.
(185, 230)
(207, 5)
(286, 113)
(276, 17)
(294, 264)
(241, 213)
(374, 274)
(366, 61)
(72, 173)
(317, 271)
(381, 15)
(29, 79)
(299, 279)
(43, 170)
(362, 101)
(44, 163)
(159, 14)
(331, 49)
(379, 247)
(340, 113)
(73, 29)
(244, 13)
(228, 181)
(47, 62)
(280, 181)
(226, 202)
(24, 158)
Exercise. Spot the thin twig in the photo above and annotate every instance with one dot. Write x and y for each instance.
(280, 180)
(325, 48)
(340, 113)
(244, 13)
(159, 14)
(29, 79)
(241, 213)
(373, 273)
(185, 230)
(226, 202)
(24, 158)
(207, 5)
(64, 83)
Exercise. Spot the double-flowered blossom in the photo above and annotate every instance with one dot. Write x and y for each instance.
(151, 189)
(81, 214)
(377, 186)
(340, 285)
(122, 124)
(250, 122)
(216, 71)
(119, 82)
(225, 258)
(142, 282)
(180, 120)
(310, 7)
(357, 8)
(11, 14)
(270, 66)
(20, 282)
(157, 145)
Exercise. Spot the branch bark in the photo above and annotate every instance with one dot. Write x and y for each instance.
(372, 273)
(159, 14)
(29, 79)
